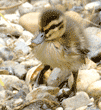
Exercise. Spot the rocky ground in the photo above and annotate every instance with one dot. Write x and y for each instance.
(19, 68)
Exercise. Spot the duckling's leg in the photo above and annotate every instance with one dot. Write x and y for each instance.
(73, 89)
(74, 86)
(40, 76)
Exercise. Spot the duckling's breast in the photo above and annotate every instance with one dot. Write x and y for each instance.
(53, 54)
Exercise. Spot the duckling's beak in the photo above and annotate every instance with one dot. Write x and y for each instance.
(39, 39)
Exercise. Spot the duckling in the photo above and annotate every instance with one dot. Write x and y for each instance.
(61, 42)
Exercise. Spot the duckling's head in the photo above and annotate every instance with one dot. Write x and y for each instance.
(52, 25)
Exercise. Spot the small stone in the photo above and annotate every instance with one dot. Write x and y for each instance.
(18, 101)
(59, 108)
(44, 106)
(4, 72)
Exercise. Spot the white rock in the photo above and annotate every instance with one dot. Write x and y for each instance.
(11, 81)
(18, 101)
(85, 78)
(94, 89)
(12, 18)
(25, 8)
(2, 42)
(94, 39)
(69, 108)
(27, 36)
(82, 108)
(93, 5)
(59, 108)
(81, 99)
(57, 77)
(30, 62)
(99, 103)
(20, 45)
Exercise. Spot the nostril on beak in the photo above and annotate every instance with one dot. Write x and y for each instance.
(39, 39)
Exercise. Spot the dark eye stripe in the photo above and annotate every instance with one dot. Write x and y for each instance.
(60, 27)
(53, 26)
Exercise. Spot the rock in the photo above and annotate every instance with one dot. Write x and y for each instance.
(25, 8)
(81, 99)
(20, 94)
(90, 64)
(15, 29)
(63, 93)
(55, 2)
(59, 108)
(10, 28)
(22, 47)
(98, 68)
(20, 71)
(5, 53)
(57, 77)
(13, 103)
(99, 103)
(27, 36)
(47, 5)
(14, 18)
(94, 40)
(4, 72)
(2, 42)
(1, 87)
(38, 92)
(77, 8)
(18, 102)
(30, 21)
(82, 108)
(11, 82)
(85, 78)
(14, 68)
(96, 5)
(1, 61)
(94, 89)
(40, 5)
(4, 94)
(30, 62)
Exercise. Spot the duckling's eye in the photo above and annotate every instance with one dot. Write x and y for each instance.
(60, 27)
